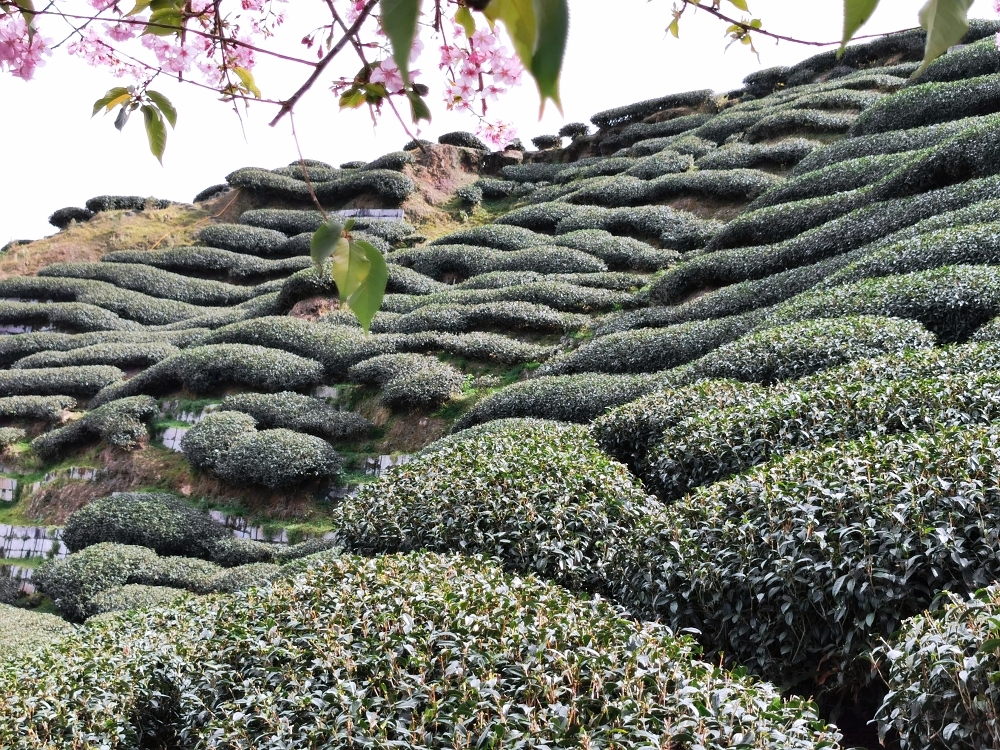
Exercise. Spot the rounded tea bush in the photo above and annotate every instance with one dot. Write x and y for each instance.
(796, 569)
(471, 636)
(540, 496)
(209, 440)
(278, 459)
(942, 672)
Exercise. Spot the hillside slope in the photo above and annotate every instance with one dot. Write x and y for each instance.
(730, 363)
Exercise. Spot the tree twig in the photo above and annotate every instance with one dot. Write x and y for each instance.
(290, 103)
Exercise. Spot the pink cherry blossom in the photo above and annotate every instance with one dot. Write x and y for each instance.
(18, 55)
(388, 75)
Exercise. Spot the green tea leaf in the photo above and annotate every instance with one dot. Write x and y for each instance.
(114, 97)
(156, 131)
(946, 22)
(164, 105)
(122, 117)
(856, 15)
(246, 77)
(464, 18)
(552, 17)
(350, 268)
(399, 21)
(367, 298)
(165, 22)
(418, 107)
(519, 18)
(741, 4)
(324, 242)
(352, 98)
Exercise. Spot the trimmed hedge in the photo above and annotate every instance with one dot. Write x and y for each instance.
(92, 686)
(493, 235)
(124, 203)
(493, 189)
(929, 103)
(540, 496)
(618, 252)
(463, 139)
(554, 294)
(292, 222)
(785, 153)
(82, 382)
(795, 121)
(134, 596)
(210, 260)
(35, 408)
(650, 349)
(394, 160)
(164, 523)
(891, 142)
(951, 301)
(74, 582)
(207, 442)
(564, 398)
(123, 355)
(63, 217)
(120, 424)
(682, 144)
(20, 345)
(387, 185)
(972, 61)
(630, 432)
(410, 380)
(89, 295)
(640, 110)
(848, 232)
(941, 669)
(927, 390)
(278, 459)
(639, 131)
(266, 304)
(25, 630)
(625, 190)
(612, 280)
(240, 238)
(209, 369)
(11, 435)
(822, 553)
(436, 261)
(677, 230)
(300, 413)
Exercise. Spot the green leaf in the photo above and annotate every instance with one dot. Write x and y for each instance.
(741, 4)
(352, 98)
(111, 99)
(171, 18)
(856, 15)
(990, 644)
(946, 22)
(122, 117)
(164, 105)
(324, 242)
(140, 6)
(674, 29)
(350, 268)
(464, 19)
(367, 298)
(156, 131)
(28, 12)
(519, 18)
(552, 18)
(399, 22)
(246, 77)
(418, 107)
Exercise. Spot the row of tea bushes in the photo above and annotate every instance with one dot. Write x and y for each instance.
(123, 355)
(121, 424)
(228, 444)
(18, 346)
(294, 411)
(235, 266)
(210, 369)
(35, 408)
(468, 260)
(397, 604)
(409, 380)
(389, 186)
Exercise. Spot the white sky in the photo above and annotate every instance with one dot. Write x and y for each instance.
(55, 155)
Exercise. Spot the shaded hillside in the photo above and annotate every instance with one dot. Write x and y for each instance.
(729, 362)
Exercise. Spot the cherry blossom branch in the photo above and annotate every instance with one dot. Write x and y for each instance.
(746, 27)
(290, 103)
(169, 27)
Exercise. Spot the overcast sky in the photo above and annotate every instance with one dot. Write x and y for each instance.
(55, 155)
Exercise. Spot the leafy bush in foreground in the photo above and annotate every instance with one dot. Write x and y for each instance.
(941, 669)
(394, 605)
(796, 569)
(121, 424)
(278, 459)
(25, 630)
(540, 496)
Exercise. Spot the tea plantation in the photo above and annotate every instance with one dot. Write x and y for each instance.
(681, 436)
